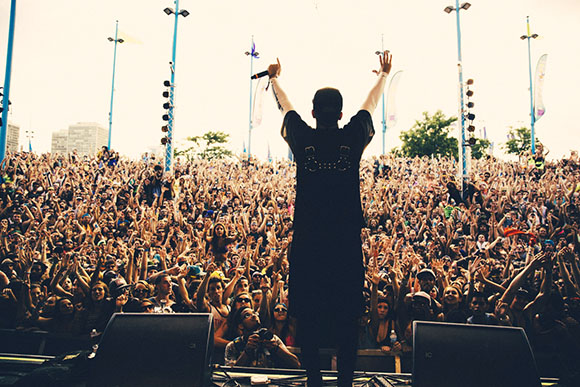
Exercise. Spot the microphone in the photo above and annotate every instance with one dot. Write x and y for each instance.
(259, 75)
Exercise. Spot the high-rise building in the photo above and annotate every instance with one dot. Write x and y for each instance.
(59, 142)
(12, 137)
(84, 137)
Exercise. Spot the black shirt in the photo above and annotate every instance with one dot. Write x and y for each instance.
(325, 256)
(327, 176)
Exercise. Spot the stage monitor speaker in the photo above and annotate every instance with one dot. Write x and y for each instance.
(452, 355)
(142, 349)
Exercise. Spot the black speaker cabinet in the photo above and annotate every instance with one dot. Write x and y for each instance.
(142, 349)
(471, 355)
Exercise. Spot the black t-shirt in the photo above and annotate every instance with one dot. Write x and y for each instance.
(325, 256)
(327, 176)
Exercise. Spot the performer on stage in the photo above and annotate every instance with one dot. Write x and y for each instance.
(326, 263)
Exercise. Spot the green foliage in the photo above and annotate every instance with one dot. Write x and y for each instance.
(208, 147)
(430, 136)
(478, 150)
(520, 140)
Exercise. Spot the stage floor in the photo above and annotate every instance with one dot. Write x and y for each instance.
(14, 367)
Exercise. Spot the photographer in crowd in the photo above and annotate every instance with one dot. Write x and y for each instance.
(256, 346)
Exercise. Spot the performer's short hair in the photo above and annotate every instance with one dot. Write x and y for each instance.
(327, 105)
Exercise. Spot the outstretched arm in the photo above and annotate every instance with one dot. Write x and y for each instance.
(372, 100)
(284, 104)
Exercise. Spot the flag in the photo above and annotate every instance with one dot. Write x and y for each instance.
(245, 151)
(29, 146)
(290, 154)
(257, 104)
(269, 154)
(391, 109)
(484, 133)
(254, 53)
(128, 38)
(539, 108)
(511, 231)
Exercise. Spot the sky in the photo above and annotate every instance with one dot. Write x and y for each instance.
(62, 65)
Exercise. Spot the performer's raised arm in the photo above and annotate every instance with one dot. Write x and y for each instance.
(281, 98)
(372, 100)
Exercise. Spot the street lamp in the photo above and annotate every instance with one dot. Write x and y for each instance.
(462, 145)
(170, 113)
(29, 137)
(532, 115)
(252, 54)
(6, 89)
(116, 40)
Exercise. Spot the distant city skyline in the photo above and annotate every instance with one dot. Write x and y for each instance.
(62, 65)
(86, 138)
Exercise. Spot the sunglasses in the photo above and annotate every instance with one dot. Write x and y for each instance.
(280, 310)
(244, 300)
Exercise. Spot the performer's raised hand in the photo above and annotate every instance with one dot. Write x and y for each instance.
(385, 60)
(275, 69)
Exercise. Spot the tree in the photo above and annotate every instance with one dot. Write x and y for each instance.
(520, 140)
(478, 149)
(209, 146)
(430, 137)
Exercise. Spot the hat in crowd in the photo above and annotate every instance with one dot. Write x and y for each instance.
(195, 271)
(7, 261)
(425, 273)
(218, 274)
(116, 286)
(256, 274)
(422, 295)
(109, 276)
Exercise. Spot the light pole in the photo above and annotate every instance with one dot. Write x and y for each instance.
(252, 54)
(6, 90)
(384, 122)
(532, 115)
(170, 121)
(462, 146)
(29, 137)
(113, 82)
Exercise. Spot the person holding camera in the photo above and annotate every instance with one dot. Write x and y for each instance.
(257, 347)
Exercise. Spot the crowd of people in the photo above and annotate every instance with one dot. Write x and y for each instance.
(84, 237)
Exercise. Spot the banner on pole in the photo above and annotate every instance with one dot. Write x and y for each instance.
(257, 103)
(391, 109)
(539, 108)
(129, 38)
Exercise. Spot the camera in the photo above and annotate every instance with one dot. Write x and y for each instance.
(264, 334)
